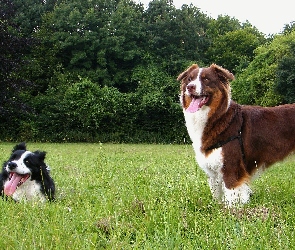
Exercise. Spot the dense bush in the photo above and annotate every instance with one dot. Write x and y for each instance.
(105, 70)
(264, 81)
(285, 78)
(88, 112)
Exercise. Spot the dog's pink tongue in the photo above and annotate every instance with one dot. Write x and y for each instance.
(194, 105)
(11, 185)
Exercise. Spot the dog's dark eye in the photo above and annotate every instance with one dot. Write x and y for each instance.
(189, 79)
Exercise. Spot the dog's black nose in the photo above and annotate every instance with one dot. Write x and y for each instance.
(12, 165)
(191, 88)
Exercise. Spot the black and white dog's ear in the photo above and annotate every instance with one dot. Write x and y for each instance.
(21, 146)
(40, 155)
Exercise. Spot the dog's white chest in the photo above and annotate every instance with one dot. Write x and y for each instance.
(195, 122)
(29, 191)
(212, 162)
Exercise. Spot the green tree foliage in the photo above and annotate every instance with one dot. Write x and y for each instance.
(87, 112)
(91, 108)
(28, 20)
(176, 35)
(106, 70)
(289, 28)
(13, 48)
(257, 83)
(73, 32)
(233, 46)
(99, 40)
(29, 14)
(222, 25)
(124, 44)
(159, 111)
(79, 112)
(285, 78)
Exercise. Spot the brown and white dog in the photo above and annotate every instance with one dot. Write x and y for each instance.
(232, 142)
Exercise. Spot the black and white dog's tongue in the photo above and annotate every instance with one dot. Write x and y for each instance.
(15, 181)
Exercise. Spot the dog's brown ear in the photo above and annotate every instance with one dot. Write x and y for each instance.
(186, 72)
(224, 75)
(182, 75)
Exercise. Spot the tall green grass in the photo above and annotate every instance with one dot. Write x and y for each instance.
(118, 196)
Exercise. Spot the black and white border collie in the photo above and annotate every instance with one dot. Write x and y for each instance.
(25, 176)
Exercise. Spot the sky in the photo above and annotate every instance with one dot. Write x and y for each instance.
(267, 16)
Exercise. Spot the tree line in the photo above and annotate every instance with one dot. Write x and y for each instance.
(97, 70)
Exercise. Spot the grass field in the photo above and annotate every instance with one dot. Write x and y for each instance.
(116, 196)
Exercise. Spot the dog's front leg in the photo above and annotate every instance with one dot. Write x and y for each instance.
(215, 184)
(237, 195)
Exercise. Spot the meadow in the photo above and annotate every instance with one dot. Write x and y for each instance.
(125, 196)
